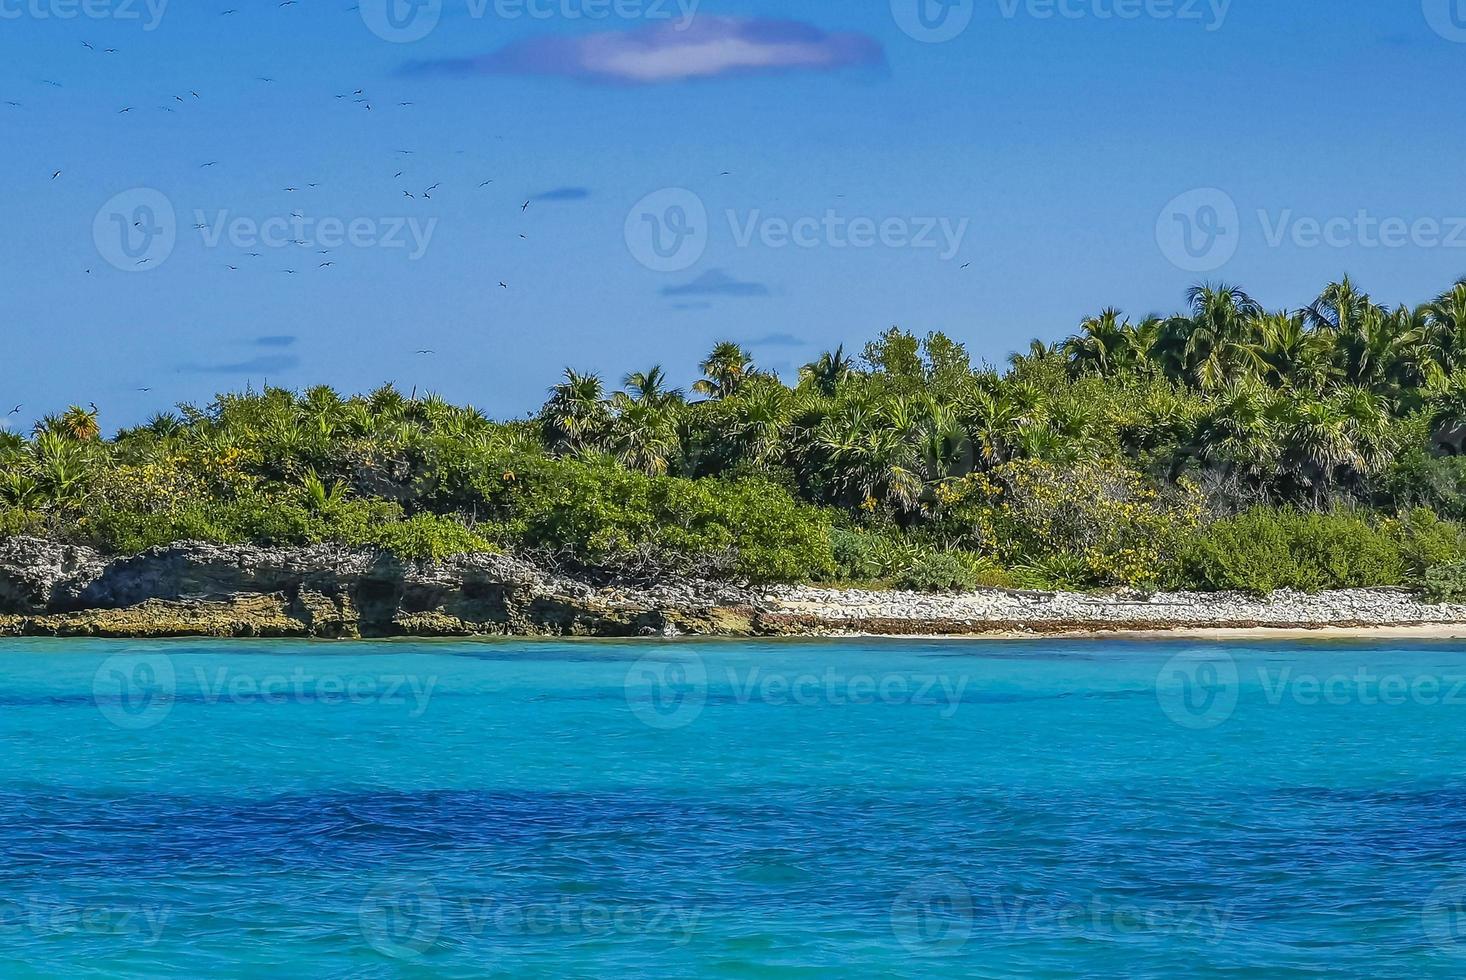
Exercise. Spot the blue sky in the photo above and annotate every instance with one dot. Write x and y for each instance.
(997, 185)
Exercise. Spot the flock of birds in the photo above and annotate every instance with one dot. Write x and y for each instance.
(357, 97)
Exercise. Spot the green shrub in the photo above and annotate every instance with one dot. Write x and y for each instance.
(938, 571)
(1446, 583)
(870, 556)
(1426, 542)
(254, 519)
(1055, 572)
(18, 521)
(272, 520)
(600, 513)
(426, 537)
(1263, 550)
(1418, 478)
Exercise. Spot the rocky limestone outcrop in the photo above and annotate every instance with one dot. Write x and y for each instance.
(194, 588)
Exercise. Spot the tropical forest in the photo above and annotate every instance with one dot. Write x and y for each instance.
(1226, 446)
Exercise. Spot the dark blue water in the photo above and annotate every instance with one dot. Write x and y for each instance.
(855, 808)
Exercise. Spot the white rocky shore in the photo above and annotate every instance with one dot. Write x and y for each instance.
(1012, 611)
(200, 589)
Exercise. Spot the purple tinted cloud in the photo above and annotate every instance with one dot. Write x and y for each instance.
(716, 282)
(563, 194)
(706, 47)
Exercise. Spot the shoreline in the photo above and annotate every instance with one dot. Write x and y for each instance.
(1421, 632)
(193, 589)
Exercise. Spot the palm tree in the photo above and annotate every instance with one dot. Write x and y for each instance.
(1037, 355)
(1445, 340)
(1284, 352)
(75, 423)
(1378, 350)
(644, 435)
(758, 425)
(828, 371)
(1327, 441)
(1101, 345)
(575, 418)
(1339, 308)
(1199, 346)
(651, 386)
(727, 367)
(387, 403)
(1445, 400)
(164, 425)
(996, 419)
(869, 460)
(1140, 340)
(1234, 435)
(59, 465)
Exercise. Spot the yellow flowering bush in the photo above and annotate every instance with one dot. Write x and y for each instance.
(1105, 522)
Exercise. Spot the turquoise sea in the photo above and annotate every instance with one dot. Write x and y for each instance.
(850, 808)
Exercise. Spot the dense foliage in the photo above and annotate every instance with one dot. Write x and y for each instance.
(1224, 447)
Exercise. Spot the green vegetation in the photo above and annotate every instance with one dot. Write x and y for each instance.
(1224, 447)
(1446, 583)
